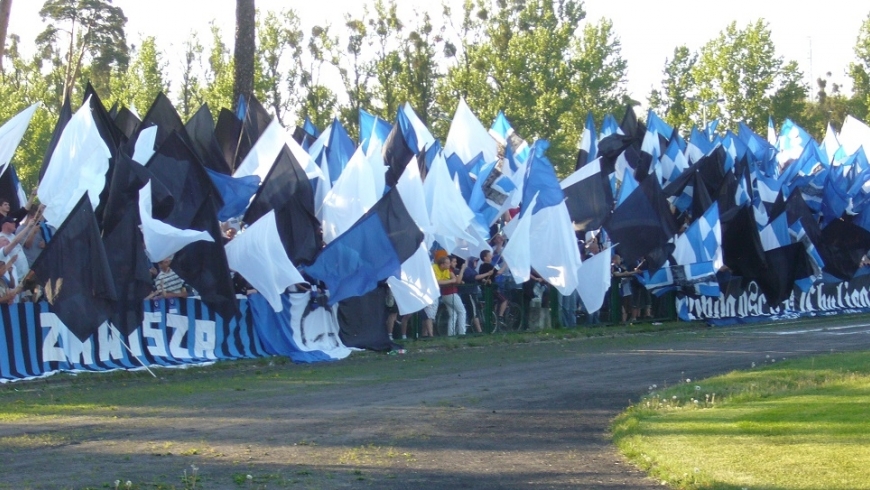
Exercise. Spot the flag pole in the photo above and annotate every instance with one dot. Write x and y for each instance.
(129, 349)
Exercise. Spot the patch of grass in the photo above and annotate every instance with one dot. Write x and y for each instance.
(372, 455)
(793, 424)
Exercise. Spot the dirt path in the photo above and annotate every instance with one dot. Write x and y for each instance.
(519, 416)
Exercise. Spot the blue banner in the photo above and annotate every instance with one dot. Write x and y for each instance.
(744, 304)
(34, 342)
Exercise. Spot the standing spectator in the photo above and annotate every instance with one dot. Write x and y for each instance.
(167, 284)
(35, 241)
(469, 291)
(618, 270)
(490, 273)
(16, 214)
(10, 241)
(448, 282)
(529, 293)
(640, 297)
(9, 286)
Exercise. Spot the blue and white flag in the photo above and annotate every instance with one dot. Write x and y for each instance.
(830, 144)
(672, 163)
(791, 142)
(771, 131)
(372, 128)
(588, 143)
(702, 241)
(516, 148)
(629, 184)
(353, 194)
(560, 260)
(609, 126)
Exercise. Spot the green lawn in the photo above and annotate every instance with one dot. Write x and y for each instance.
(801, 424)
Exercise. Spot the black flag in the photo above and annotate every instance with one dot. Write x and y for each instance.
(287, 190)
(74, 273)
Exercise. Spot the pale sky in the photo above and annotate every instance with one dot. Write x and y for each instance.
(819, 40)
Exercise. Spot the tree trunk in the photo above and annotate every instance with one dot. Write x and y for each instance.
(5, 7)
(243, 56)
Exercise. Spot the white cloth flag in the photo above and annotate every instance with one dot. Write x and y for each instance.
(319, 144)
(11, 133)
(161, 239)
(259, 256)
(375, 159)
(144, 148)
(518, 251)
(448, 212)
(352, 195)
(468, 138)
(417, 286)
(557, 259)
(853, 135)
(263, 154)
(594, 283)
(425, 140)
(77, 166)
(312, 171)
(410, 187)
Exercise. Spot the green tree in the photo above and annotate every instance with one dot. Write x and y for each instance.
(356, 72)
(677, 85)
(218, 90)
(278, 73)
(22, 85)
(419, 72)
(540, 63)
(139, 85)
(827, 108)
(95, 32)
(319, 102)
(859, 71)
(190, 91)
(741, 66)
(387, 63)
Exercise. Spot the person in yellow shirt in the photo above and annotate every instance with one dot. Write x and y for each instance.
(449, 284)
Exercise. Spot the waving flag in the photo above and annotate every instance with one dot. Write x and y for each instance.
(74, 273)
(257, 254)
(702, 241)
(448, 212)
(288, 191)
(78, 167)
(643, 223)
(11, 133)
(516, 148)
(262, 155)
(352, 195)
(372, 250)
(203, 141)
(588, 197)
(588, 143)
(372, 128)
(560, 260)
(468, 138)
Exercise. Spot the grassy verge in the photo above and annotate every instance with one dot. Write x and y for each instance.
(799, 424)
